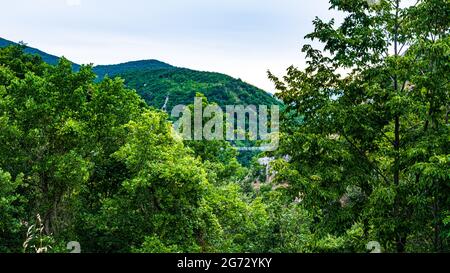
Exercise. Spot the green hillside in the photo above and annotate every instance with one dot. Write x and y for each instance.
(48, 58)
(116, 69)
(179, 85)
(155, 81)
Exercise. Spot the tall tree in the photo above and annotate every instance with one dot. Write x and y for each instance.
(373, 146)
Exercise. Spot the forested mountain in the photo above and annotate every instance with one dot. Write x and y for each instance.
(128, 67)
(48, 58)
(180, 85)
(155, 81)
(363, 161)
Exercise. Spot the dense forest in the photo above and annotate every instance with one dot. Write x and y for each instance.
(364, 151)
(179, 86)
(48, 58)
(157, 82)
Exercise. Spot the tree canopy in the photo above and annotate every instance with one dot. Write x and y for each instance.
(363, 156)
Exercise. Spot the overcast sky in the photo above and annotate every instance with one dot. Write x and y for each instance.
(241, 38)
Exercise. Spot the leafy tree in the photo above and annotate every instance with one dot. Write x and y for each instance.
(364, 151)
(11, 209)
(373, 147)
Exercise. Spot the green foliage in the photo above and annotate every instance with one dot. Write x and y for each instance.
(117, 69)
(102, 168)
(47, 58)
(155, 80)
(66, 138)
(152, 244)
(180, 85)
(11, 208)
(373, 146)
(364, 149)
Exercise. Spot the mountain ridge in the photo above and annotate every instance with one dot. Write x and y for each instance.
(48, 58)
(157, 81)
(116, 69)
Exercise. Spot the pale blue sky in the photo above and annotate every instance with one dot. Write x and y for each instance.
(241, 38)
